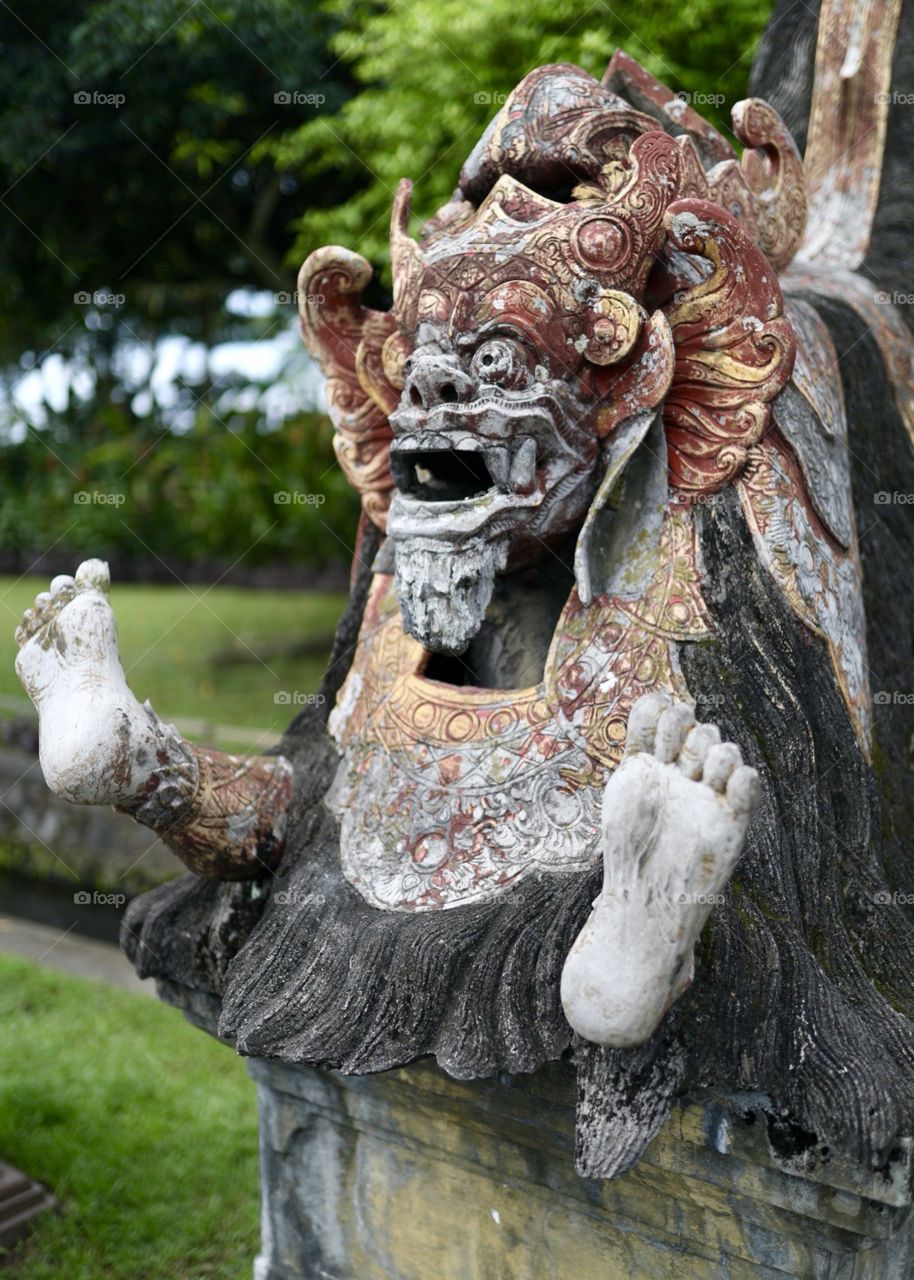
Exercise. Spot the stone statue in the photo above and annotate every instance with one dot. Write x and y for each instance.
(617, 443)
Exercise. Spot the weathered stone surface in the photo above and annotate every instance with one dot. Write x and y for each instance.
(409, 1175)
(45, 837)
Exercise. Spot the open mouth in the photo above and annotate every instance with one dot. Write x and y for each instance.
(463, 474)
(441, 475)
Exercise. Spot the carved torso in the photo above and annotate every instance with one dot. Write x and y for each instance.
(448, 794)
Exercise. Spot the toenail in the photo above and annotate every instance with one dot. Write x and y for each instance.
(744, 790)
(721, 762)
(696, 747)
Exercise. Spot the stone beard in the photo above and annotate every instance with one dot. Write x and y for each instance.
(444, 588)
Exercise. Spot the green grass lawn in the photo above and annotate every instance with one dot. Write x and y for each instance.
(144, 1128)
(175, 643)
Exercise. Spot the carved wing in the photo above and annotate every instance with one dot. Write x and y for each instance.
(358, 349)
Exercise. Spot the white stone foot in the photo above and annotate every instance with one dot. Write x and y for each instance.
(97, 744)
(675, 815)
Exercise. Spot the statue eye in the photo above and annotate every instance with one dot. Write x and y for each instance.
(503, 362)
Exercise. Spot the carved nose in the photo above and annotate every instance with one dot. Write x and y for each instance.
(434, 380)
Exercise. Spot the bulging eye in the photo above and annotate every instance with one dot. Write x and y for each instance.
(502, 362)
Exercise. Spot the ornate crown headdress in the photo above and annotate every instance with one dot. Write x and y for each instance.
(578, 212)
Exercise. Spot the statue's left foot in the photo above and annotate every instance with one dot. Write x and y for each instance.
(675, 815)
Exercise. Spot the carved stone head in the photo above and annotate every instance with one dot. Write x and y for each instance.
(520, 315)
(532, 322)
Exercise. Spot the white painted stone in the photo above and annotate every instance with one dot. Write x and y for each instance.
(97, 743)
(675, 815)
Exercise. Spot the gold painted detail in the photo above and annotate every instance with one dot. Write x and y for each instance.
(449, 794)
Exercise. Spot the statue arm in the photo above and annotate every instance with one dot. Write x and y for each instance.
(223, 815)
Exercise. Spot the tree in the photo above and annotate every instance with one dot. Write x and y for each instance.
(135, 163)
(434, 71)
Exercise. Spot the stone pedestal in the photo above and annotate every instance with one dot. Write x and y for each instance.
(21, 1202)
(410, 1175)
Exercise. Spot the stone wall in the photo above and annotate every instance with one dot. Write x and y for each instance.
(56, 857)
(410, 1175)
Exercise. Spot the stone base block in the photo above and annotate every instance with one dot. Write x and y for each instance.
(412, 1176)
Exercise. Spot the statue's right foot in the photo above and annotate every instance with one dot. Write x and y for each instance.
(97, 744)
(675, 816)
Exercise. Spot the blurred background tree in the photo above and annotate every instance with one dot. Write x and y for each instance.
(430, 74)
(133, 161)
(167, 165)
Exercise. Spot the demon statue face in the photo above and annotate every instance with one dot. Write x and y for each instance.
(521, 311)
(493, 460)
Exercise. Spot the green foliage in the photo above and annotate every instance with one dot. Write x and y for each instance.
(133, 159)
(134, 167)
(433, 72)
(208, 494)
(144, 1127)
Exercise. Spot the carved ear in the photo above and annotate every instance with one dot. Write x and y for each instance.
(617, 548)
(358, 350)
(734, 348)
(611, 326)
(639, 384)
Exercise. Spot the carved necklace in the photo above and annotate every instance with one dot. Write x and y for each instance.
(449, 794)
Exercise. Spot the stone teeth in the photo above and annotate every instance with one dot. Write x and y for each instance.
(523, 467)
(498, 464)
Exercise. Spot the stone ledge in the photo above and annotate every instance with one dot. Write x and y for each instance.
(402, 1174)
(21, 1202)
